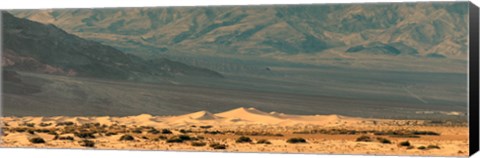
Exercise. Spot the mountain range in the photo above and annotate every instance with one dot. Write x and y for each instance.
(424, 29)
(44, 48)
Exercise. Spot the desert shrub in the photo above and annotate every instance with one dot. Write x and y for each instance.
(174, 140)
(52, 133)
(364, 139)
(110, 133)
(166, 131)
(405, 136)
(263, 141)
(206, 127)
(198, 144)
(384, 140)
(126, 137)
(425, 133)
(36, 140)
(296, 140)
(144, 137)
(87, 143)
(243, 139)
(185, 131)
(433, 147)
(185, 137)
(65, 123)
(65, 138)
(138, 131)
(278, 135)
(200, 137)
(153, 131)
(45, 124)
(20, 130)
(422, 148)
(68, 129)
(410, 147)
(85, 135)
(30, 131)
(213, 132)
(405, 143)
(162, 137)
(29, 124)
(218, 146)
(42, 130)
(379, 133)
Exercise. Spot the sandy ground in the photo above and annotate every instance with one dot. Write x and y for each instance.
(204, 131)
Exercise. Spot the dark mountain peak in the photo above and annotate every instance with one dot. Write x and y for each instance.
(45, 48)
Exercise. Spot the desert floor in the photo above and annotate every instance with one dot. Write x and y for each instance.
(240, 130)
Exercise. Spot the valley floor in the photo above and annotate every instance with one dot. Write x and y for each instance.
(239, 130)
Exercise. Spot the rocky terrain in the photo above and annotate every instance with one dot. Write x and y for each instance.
(349, 35)
(44, 48)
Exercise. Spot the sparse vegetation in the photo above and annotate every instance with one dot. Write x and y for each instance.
(425, 133)
(405, 136)
(43, 130)
(20, 130)
(162, 137)
(28, 124)
(263, 141)
(185, 131)
(153, 131)
(138, 131)
(433, 147)
(166, 131)
(179, 139)
(65, 123)
(43, 124)
(213, 132)
(206, 127)
(243, 139)
(422, 148)
(255, 133)
(30, 131)
(87, 143)
(278, 135)
(36, 140)
(296, 140)
(174, 140)
(127, 137)
(85, 135)
(65, 138)
(405, 143)
(52, 133)
(218, 146)
(364, 139)
(110, 133)
(384, 140)
(198, 143)
(185, 137)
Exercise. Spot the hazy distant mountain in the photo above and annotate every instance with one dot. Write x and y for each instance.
(35, 47)
(390, 29)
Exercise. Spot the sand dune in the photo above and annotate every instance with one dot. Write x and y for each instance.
(232, 117)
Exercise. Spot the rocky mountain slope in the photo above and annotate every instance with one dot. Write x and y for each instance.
(44, 48)
(438, 30)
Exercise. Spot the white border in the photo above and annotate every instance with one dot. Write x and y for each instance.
(74, 153)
